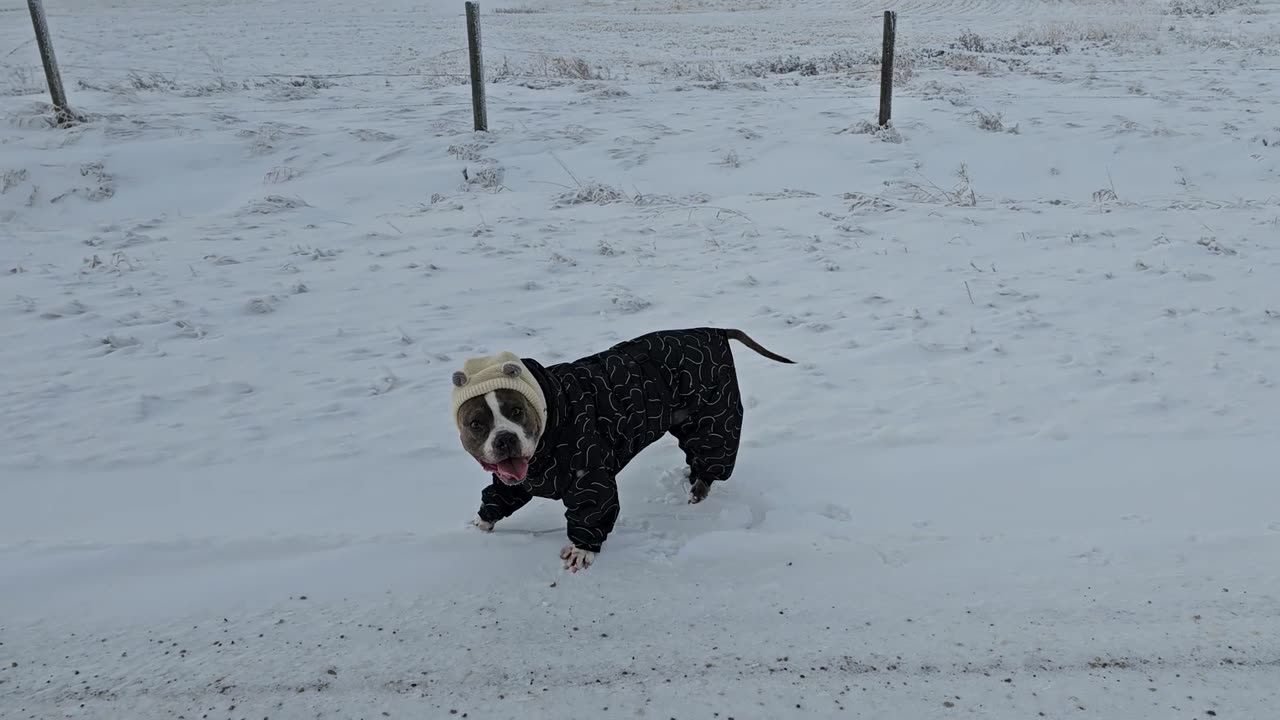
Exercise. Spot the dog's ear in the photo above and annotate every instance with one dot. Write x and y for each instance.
(511, 369)
(459, 379)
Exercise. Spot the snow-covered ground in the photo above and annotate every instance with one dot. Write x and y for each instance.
(1025, 467)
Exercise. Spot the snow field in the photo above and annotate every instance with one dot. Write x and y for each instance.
(1022, 468)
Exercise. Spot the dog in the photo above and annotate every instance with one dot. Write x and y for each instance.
(565, 431)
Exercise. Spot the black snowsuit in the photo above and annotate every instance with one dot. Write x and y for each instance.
(604, 409)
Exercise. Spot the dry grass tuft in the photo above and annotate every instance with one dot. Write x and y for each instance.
(1202, 8)
(961, 194)
(488, 175)
(887, 134)
(993, 122)
(1058, 33)
(966, 62)
(574, 68)
(592, 193)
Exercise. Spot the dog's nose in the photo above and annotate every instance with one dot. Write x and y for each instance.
(505, 444)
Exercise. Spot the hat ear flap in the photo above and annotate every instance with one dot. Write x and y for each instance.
(459, 379)
(511, 369)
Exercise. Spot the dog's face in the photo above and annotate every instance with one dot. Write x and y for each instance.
(500, 429)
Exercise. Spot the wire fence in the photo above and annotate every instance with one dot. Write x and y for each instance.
(155, 59)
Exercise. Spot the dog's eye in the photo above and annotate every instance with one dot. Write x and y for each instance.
(476, 426)
(515, 413)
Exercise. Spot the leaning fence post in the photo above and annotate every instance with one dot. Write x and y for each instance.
(886, 66)
(61, 110)
(478, 109)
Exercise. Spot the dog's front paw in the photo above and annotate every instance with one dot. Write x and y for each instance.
(575, 558)
(484, 525)
(698, 491)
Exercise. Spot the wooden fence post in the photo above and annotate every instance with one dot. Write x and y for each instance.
(61, 110)
(478, 109)
(886, 66)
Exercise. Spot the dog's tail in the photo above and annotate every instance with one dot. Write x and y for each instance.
(746, 340)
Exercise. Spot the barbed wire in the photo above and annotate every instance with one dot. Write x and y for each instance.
(547, 53)
(835, 96)
(331, 108)
(741, 59)
(461, 104)
(497, 14)
(870, 68)
(249, 74)
(762, 57)
(464, 104)
(252, 75)
(1156, 71)
(235, 77)
(1075, 73)
(492, 75)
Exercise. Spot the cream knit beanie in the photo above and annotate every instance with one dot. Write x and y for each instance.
(504, 370)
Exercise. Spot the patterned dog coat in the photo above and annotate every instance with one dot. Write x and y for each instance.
(602, 410)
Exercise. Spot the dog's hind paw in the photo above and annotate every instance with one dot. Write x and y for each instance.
(484, 525)
(575, 558)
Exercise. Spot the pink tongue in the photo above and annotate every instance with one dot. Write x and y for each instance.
(516, 467)
(512, 470)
